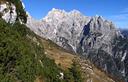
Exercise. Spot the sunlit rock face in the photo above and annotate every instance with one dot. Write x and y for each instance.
(92, 37)
(8, 12)
(62, 27)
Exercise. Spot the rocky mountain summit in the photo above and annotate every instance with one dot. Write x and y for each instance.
(91, 37)
(61, 27)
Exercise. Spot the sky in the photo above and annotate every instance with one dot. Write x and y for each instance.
(114, 10)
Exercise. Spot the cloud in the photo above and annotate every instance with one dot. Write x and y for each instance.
(120, 17)
(121, 20)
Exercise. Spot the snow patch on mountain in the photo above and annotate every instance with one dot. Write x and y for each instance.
(124, 56)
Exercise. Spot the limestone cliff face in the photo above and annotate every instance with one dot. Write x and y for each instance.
(105, 46)
(98, 33)
(8, 12)
(92, 37)
(64, 28)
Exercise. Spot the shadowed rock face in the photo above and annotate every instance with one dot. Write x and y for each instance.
(104, 45)
(125, 32)
(92, 37)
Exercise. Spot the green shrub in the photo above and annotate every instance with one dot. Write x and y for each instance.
(74, 73)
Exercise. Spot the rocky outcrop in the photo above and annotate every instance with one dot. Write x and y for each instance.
(12, 11)
(8, 12)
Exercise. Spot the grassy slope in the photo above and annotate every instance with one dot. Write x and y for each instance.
(61, 57)
(64, 60)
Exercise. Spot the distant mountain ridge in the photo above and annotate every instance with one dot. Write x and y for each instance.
(92, 37)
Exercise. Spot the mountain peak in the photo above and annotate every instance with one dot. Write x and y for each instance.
(56, 11)
(59, 15)
(98, 17)
(75, 11)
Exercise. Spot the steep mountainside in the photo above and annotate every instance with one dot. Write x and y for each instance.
(99, 43)
(22, 55)
(92, 37)
(65, 59)
(23, 58)
(29, 58)
(26, 57)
